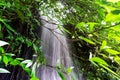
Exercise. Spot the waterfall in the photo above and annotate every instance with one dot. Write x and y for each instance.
(56, 52)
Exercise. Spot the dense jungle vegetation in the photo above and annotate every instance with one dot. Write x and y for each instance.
(92, 27)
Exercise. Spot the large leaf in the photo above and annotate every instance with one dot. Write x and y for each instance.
(112, 18)
(6, 60)
(107, 7)
(33, 73)
(112, 52)
(4, 70)
(27, 62)
(99, 61)
(15, 62)
(2, 43)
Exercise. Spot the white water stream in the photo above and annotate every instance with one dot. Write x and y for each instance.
(56, 51)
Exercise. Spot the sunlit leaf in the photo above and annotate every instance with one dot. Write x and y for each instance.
(99, 61)
(33, 73)
(19, 59)
(91, 26)
(2, 50)
(102, 54)
(15, 62)
(117, 38)
(113, 1)
(69, 70)
(0, 58)
(112, 52)
(4, 70)
(117, 59)
(108, 8)
(80, 24)
(104, 45)
(5, 60)
(2, 43)
(34, 78)
(112, 17)
(27, 62)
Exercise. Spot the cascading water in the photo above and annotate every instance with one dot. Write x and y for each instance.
(56, 51)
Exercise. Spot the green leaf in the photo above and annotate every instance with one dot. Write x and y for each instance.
(87, 40)
(28, 42)
(35, 47)
(103, 55)
(5, 60)
(19, 59)
(8, 26)
(112, 18)
(114, 1)
(117, 59)
(104, 45)
(9, 54)
(34, 78)
(61, 74)
(91, 26)
(80, 24)
(1, 32)
(28, 70)
(15, 62)
(0, 58)
(34, 70)
(66, 30)
(99, 61)
(93, 63)
(20, 38)
(69, 70)
(27, 62)
(2, 50)
(108, 8)
(112, 52)
(4, 70)
(108, 69)
(20, 14)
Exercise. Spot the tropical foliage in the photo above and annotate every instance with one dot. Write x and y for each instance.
(92, 27)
